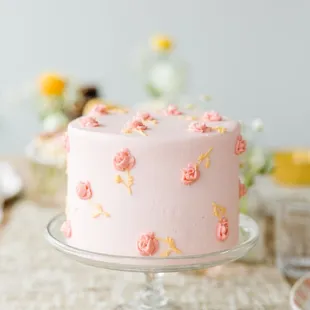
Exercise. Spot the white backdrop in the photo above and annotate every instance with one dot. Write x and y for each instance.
(253, 57)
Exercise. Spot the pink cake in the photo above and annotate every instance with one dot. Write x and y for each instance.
(159, 184)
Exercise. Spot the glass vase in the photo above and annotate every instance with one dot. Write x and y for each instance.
(47, 185)
(165, 77)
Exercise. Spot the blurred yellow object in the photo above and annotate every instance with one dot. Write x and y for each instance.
(292, 167)
(52, 85)
(109, 105)
(161, 43)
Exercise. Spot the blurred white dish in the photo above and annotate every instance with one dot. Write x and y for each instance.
(47, 152)
(10, 184)
(300, 294)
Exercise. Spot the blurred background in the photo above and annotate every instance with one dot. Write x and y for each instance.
(252, 57)
(248, 60)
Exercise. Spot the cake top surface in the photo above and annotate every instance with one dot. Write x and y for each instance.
(137, 124)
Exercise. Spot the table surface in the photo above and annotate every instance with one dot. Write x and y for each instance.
(35, 276)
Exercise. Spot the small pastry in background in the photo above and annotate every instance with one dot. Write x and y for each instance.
(91, 104)
(110, 106)
(84, 94)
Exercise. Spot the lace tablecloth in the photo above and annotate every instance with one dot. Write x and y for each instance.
(33, 276)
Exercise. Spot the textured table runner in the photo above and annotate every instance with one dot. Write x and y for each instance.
(34, 276)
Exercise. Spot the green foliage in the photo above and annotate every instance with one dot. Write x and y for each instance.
(152, 91)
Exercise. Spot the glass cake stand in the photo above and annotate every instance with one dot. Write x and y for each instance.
(152, 295)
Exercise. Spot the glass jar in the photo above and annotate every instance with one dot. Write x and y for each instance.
(293, 237)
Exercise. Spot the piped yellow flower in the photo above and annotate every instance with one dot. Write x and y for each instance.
(218, 210)
(52, 85)
(204, 156)
(118, 179)
(220, 130)
(98, 210)
(172, 247)
(130, 181)
(161, 43)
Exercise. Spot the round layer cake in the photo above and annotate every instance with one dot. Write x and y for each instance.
(153, 184)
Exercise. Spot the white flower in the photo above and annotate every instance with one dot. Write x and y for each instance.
(257, 125)
(163, 77)
(257, 159)
(54, 122)
(168, 77)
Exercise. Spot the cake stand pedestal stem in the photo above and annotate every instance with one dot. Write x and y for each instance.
(152, 296)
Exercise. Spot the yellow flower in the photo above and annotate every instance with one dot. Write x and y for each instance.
(52, 85)
(161, 43)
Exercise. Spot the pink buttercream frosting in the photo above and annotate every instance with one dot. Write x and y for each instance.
(222, 229)
(66, 229)
(242, 189)
(147, 244)
(190, 174)
(172, 110)
(199, 127)
(66, 142)
(83, 190)
(88, 122)
(159, 162)
(123, 160)
(99, 110)
(212, 116)
(144, 116)
(240, 145)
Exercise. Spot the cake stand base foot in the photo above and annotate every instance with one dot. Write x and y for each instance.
(136, 306)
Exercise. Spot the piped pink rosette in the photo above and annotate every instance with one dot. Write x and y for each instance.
(147, 244)
(98, 110)
(199, 127)
(222, 229)
(138, 125)
(84, 191)
(124, 161)
(135, 125)
(89, 122)
(145, 117)
(172, 110)
(190, 174)
(222, 225)
(242, 189)
(66, 229)
(240, 145)
(212, 116)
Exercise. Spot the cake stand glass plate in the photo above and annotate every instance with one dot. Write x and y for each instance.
(152, 295)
